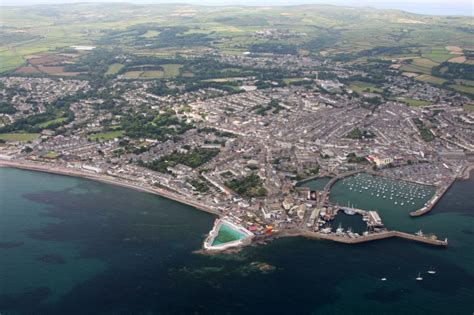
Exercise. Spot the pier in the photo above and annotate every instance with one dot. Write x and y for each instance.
(376, 236)
(333, 180)
(437, 196)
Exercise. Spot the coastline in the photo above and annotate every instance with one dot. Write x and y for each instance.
(117, 181)
(107, 179)
(465, 174)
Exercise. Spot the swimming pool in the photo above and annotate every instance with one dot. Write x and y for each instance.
(227, 234)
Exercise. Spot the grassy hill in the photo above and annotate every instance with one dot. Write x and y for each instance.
(164, 30)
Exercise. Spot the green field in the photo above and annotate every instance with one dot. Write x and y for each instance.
(469, 107)
(438, 56)
(19, 136)
(171, 70)
(463, 88)
(420, 65)
(414, 102)
(231, 30)
(114, 68)
(364, 87)
(46, 124)
(430, 79)
(106, 135)
(150, 34)
(51, 155)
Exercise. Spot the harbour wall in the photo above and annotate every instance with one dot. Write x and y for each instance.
(366, 238)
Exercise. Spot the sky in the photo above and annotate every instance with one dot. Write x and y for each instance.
(437, 7)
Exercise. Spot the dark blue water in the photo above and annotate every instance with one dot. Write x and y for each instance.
(74, 246)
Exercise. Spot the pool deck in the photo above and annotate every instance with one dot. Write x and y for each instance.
(208, 242)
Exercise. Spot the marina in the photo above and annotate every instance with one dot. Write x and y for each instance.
(395, 192)
(356, 205)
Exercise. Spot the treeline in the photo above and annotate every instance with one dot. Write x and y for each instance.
(274, 48)
(95, 64)
(159, 127)
(373, 52)
(193, 159)
(7, 108)
(424, 131)
(452, 71)
(356, 133)
(249, 186)
(29, 124)
(272, 106)
(170, 36)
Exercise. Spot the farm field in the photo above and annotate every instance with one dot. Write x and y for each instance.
(420, 65)
(438, 56)
(430, 79)
(463, 88)
(114, 68)
(231, 31)
(169, 71)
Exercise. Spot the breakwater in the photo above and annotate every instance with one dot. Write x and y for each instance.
(367, 238)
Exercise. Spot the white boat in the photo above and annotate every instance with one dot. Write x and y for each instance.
(383, 279)
(419, 278)
(326, 230)
(432, 271)
(349, 211)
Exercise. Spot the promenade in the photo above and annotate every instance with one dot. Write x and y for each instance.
(54, 169)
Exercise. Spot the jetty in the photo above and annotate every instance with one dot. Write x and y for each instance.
(376, 236)
(433, 201)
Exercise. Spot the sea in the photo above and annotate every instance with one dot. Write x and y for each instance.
(75, 246)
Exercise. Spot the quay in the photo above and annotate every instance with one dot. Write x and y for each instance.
(373, 237)
(433, 201)
(333, 180)
(466, 172)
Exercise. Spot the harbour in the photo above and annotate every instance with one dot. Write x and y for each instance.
(329, 185)
(134, 243)
(372, 198)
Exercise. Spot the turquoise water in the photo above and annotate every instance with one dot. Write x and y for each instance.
(227, 234)
(74, 246)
